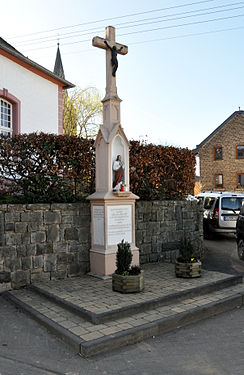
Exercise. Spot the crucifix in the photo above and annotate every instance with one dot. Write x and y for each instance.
(112, 49)
(112, 204)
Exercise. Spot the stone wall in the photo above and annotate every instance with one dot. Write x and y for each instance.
(43, 242)
(52, 241)
(160, 225)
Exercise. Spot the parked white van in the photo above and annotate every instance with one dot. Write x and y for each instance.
(220, 211)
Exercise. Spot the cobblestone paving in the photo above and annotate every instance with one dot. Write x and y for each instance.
(96, 295)
(87, 331)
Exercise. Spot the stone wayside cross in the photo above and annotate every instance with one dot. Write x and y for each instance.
(111, 89)
(112, 209)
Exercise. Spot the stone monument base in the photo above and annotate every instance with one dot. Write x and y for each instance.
(102, 264)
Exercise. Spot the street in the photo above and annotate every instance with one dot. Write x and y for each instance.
(212, 346)
(221, 255)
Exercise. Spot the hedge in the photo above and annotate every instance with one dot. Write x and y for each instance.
(61, 168)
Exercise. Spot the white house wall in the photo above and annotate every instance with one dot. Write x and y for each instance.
(38, 97)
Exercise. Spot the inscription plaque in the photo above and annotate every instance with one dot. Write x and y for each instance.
(98, 225)
(119, 224)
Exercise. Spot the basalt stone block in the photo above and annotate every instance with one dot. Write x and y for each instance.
(71, 234)
(38, 206)
(8, 251)
(36, 227)
(12, 265)
(33, 217)
(12, 217)
(53, 233)
(9, 227)
(20, 279)
(2, 235)
(39, 275)
(21, 227)
(30, 249)
(26, 263)
(52, 217)
(37, 237)
(50, 262)
(13, 238)
(44, 248)
(38, 262)
(5, 277)
(21, 250)
(62, 258)
(60, 247)
(25, 238)
(74, 269)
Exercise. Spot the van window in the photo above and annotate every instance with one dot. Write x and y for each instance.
(209, 201)
(232, 203)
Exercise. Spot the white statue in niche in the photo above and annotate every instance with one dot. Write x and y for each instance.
(119, 173)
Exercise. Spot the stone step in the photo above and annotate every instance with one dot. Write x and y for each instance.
(90, 339)
(136, 305)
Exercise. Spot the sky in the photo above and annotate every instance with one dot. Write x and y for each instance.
(183, 74)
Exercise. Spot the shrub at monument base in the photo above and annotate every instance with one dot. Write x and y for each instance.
(126, 279)
(187, 264)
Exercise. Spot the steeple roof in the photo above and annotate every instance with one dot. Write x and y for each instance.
(58, 67)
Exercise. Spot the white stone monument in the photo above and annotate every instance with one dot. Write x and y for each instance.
(112, 205)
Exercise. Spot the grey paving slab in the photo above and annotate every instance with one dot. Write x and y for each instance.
(95, 296)
(93, 338)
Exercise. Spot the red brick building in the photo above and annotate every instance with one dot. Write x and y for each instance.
(221, 156)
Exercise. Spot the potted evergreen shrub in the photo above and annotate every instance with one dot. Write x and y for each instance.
(127, 278)
(188, 263)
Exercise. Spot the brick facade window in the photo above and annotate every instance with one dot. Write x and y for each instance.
(240, 152)
(240, 179)
(218, 179)
(218, 154)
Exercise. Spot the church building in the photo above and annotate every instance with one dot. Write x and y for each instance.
(31, 96)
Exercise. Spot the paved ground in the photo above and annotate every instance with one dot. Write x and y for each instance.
(221, 255)
(96, 295)
(214, 346)
(211, 347)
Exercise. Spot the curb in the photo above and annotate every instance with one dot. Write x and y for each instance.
(135, 334)
(66, 336)
(164, 325)
(98, 318)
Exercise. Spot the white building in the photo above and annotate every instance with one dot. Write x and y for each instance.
(31, 96)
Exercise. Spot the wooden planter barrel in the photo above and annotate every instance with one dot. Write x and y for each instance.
(188, 270)
(128, 284)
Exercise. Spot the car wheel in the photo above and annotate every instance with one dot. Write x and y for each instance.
(240, 249)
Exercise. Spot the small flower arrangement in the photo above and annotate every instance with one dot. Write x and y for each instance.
(187, 253)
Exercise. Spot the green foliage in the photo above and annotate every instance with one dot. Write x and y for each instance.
(161, 172)
(47, 167)
(61, 168)
(187, 252)
(135, 270)
(123, 258)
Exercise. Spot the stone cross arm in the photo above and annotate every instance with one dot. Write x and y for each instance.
(99, 42)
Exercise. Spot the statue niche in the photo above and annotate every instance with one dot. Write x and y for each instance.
(119, 163)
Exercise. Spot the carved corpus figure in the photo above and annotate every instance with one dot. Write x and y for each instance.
(118, 168)
(114, 60)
